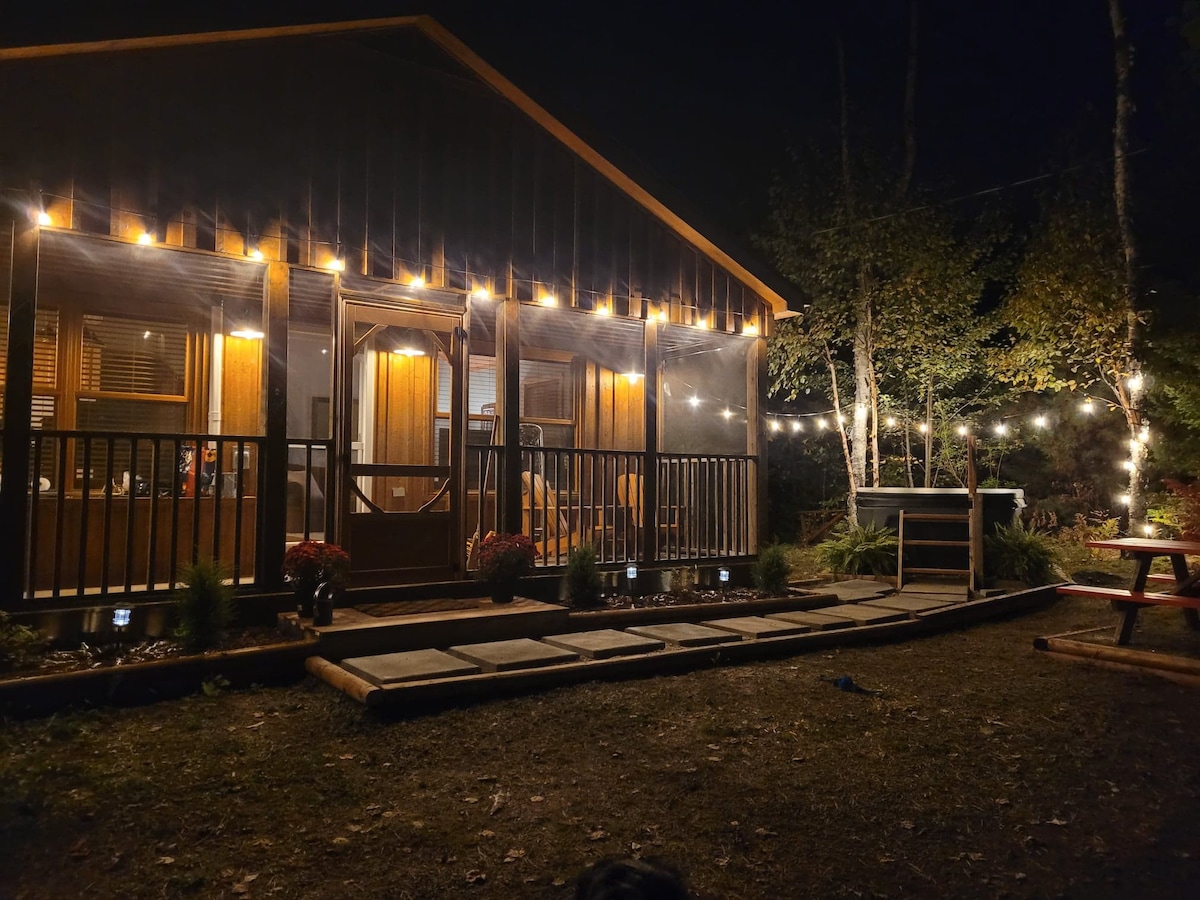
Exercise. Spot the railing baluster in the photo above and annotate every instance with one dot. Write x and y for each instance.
(106, 530)
(83, 516)
(130, 510)
(35, 508)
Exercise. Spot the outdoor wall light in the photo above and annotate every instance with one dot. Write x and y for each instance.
(145, 238)
(256, 255)
(120, 618)
(416, 282)
(631, 573)
(43, 218)
(603, 310)
(702, 323)
(251, 334)
(663, 315)
(549, 300)
(633, 376)
(336, 265)
(750, 329)
(481, 293)
(409, 351)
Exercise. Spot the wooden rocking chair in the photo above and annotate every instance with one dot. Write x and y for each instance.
(544, 521)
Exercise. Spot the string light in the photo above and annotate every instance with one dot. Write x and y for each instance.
(1000, 428)
(1039, 421)
(1087, 406)
(963, 430)
(922, 428)
(775, 426)
(890, 422)
(797, 425)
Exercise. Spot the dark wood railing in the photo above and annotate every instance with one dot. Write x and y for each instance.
(119, 512)
(705, 506)
(309, 489)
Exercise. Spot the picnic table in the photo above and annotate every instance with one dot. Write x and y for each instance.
(1182, 591)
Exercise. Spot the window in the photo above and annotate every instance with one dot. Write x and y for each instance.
(45, 366)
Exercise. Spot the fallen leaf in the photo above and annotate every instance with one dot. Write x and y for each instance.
(346, 756)
(476, 877)
(1055, 821)
(536, 798)
(255, 725)
(166, 860)
(499, 801)
(598, 835)
(470, 799)
(513, 855)
(764, 832)
(487, 833)
(907, 825)
(240, 888)
(339, 840)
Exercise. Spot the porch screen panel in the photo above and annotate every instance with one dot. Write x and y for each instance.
(704, 389)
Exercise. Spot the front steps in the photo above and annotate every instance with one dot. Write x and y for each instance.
(455, 670)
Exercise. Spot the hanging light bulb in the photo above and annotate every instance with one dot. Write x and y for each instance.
(1124, 499)
(1087, 406)
(1135, 382)
(694, 401)
(922, 428)
(822, 424)
(1039, 421)
(890, 422)
(728, 413)
(963, 430)
(775, 426)
(1148, 530)
(1000, 428)
(797, 425)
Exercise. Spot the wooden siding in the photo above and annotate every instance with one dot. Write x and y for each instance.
(378, 148)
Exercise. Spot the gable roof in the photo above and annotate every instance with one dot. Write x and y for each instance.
(768, 285)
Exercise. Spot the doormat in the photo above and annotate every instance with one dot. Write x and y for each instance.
(415, 607)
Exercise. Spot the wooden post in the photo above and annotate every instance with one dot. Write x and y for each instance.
(508, 394)
(18, 398)
(974, 521)
(273, 516)
(756, 437)
(650, 509)
(458, 445)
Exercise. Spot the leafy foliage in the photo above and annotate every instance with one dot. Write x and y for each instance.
(316, 561)
(683, 581)
(1180, 510)
(1021, 553)
(860, 550)
(771, 570)
(204, 605)
(19, 644)
(584, 585)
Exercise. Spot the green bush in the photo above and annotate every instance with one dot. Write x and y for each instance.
(771, 570)
(860, 550)
(683, 582)
(19, 644)
(1022, 554)
(204, 605)
(584, 585)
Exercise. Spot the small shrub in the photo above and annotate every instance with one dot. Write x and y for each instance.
(204, 605)
(19, 644)
(683, 581)
(860, 550)
(771, 570)
(1023, 554)
(584, 585)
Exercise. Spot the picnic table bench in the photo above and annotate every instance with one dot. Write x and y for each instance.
(1129, 601)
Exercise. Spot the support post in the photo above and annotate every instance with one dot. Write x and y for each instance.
(650, 510)
(273, 515)
(18, 400)
(508, 362)
(974, 522)
(758, 521)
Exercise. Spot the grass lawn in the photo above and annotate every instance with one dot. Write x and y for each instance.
(983, 769)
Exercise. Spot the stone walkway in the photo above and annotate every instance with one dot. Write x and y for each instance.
(452, 669)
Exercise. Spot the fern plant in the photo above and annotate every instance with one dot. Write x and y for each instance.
(860, 550)
(771, 570)
(204, 605)
(20, 645)
(1020, 553)
(584, 585)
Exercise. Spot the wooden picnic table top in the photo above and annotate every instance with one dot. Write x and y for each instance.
(1149, 546)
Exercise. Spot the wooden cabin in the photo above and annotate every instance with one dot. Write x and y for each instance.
(348, 283)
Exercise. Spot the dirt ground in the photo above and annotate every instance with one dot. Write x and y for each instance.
(981, 769)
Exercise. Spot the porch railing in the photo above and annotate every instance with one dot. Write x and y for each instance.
(309, 489)
(120, 512)
(571, 497)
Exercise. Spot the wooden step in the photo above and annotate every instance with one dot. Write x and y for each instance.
(912, 543)
(924, 571)
(936, 517)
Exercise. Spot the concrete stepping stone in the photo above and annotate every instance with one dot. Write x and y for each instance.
(604, 643)
(870, 615)
(817, 620)
(758, 626)
(410, 665)
(853, 591)
(685, 634)
(908, 603)
(521, 653)
(860, 584)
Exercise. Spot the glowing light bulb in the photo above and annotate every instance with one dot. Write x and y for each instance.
(1135, 382)
(1000, 428)
(1144, 434)
(797, 425)
(694, 401)
(841, 419)
(603, 311)
(336, 265)
(822, 424)
(145, 238)
(1039, 421)
(890, 422)
(416, 282)
(663, 315)
(775, 426)
(1087, 406)
(481, 293)
(963, 431)
(1123, 499)
(256, 255)
(549, 300)
(750, 329)
(922, 428)
(728, 413)
(1148, 530)
(43, 218)
(702, 323)
(1128, 464)
(633, 376)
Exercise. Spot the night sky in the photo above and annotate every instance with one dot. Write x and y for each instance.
(708, 99)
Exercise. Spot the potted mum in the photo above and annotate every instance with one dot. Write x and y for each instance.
(503, 560)
(308, 565)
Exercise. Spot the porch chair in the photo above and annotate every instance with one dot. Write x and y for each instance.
(539, 512)
(630, 500)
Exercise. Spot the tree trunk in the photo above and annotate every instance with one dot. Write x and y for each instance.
(929, 433)
(908, 455)
(1130, 394)
(862, 387)
(852, 482)
(874, 421)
